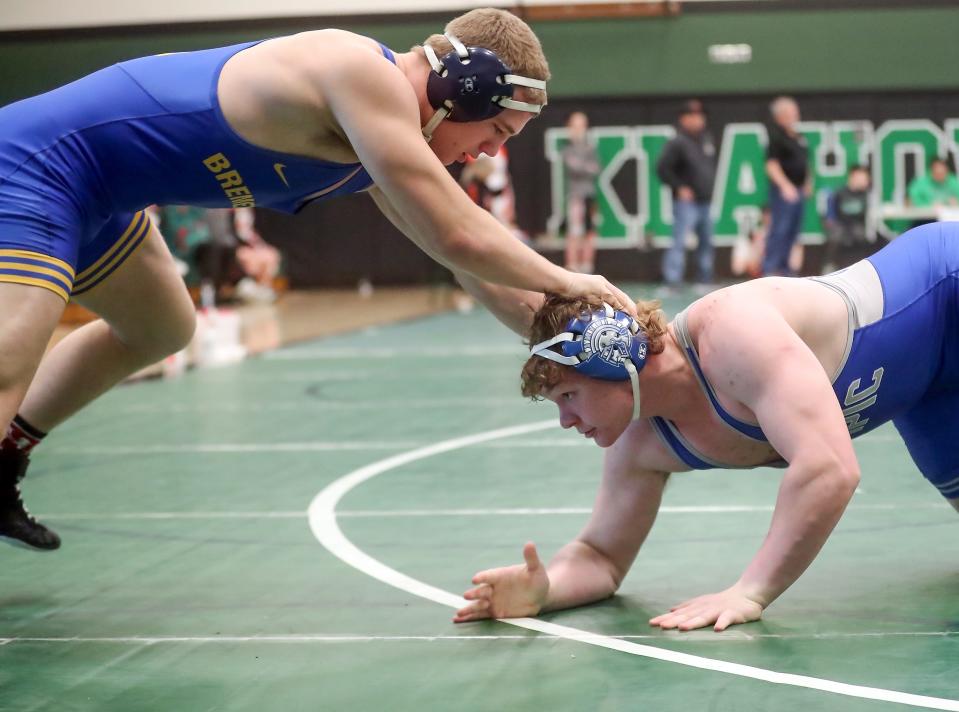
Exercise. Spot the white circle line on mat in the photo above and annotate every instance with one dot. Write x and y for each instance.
(322, 520)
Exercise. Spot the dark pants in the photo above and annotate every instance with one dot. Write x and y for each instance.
(786, 219)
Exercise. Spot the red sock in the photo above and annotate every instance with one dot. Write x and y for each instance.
(21, 436)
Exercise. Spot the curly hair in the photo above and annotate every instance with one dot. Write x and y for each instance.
(540, 374)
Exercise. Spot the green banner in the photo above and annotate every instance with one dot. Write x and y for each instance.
(741, 187)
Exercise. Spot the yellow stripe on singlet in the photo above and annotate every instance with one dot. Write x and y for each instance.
(35, 269)
(120, 250)
(134, 225)
(40, 258)
(36, 282)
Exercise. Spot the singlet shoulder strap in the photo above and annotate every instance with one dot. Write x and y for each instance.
(387, 52)
(750, 430)
(679, 446)
(675, 442)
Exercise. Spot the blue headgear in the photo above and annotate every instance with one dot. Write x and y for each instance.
(472, 84)
(605, 344)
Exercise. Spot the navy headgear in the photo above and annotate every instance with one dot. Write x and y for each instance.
(472, 84)
(605, 344)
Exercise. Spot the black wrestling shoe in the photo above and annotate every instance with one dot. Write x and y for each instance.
(17, 527)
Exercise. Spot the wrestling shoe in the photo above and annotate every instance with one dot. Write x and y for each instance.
(17, 526)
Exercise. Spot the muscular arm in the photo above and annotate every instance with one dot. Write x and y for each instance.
(763, 363)
(379, 114)
(593, 565)
(589, 568)
(753, 356)
(513, 307)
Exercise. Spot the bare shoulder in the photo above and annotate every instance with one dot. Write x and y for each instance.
(765, 320)
(319, 66)
(746, 334)
(339, 59)
(727, 304)
(291, 93)
(749, 305)
(308, 51)
(736, 316)
(329, 45)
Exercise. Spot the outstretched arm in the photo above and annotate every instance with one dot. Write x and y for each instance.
(380, 117)
(589, 568)
(513, 307)
(768, 368)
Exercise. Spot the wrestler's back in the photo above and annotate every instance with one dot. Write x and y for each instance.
(269, 93)
(150, 130)
(903, 341)
(813, 311)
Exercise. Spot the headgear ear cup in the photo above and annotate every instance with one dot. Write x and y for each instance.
(605, 344)
(472, 84)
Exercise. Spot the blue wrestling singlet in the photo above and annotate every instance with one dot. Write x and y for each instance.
(902, 354)
(78, 164)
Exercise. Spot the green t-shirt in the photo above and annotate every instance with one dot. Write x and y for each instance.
(924, 191)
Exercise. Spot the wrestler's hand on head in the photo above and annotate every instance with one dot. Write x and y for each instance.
(507, 592)
(595, 287)
(720, 610)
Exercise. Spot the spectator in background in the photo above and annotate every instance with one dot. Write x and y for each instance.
(215, 257)
(487, 182)
(258, 259)
(935, 188)
(582, 167)
(845, 219)
(183, 229)
(787, 165)
(688, 166)
(221, 252)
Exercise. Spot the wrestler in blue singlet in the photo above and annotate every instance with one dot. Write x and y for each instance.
(902, 354)
(78, 164)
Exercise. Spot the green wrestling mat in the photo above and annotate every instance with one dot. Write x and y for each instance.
(192, 579)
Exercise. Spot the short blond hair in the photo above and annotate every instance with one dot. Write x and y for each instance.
(501, 32)
(540, 374)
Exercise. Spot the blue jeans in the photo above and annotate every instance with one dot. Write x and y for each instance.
(786, 219)
(688, 215)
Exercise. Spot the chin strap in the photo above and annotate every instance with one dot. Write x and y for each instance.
(435, 121)
(634, 380)
(447, 108)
